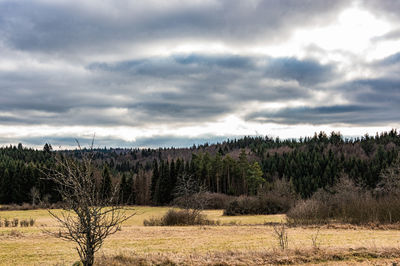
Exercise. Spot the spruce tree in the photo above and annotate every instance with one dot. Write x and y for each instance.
(122, 188)
(129, 190)
(105, 187)
(154, 182)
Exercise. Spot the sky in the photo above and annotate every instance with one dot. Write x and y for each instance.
(157, 73)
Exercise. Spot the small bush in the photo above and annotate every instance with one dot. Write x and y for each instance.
(31, 222)
(24, 223)
(7, 223)
(179, 218)
(15, 222)
(282, 236)
(152, 222)
(15, 233)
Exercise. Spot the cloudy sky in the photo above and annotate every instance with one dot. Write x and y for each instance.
(172, 73)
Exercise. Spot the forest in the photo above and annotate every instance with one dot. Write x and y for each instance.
(236, 167)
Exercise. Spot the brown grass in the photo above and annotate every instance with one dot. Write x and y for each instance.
(290, 257)
(247, 242)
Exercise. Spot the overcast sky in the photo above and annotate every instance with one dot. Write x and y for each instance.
(172, 73)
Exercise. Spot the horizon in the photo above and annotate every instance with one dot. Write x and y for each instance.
(199, 142)
(163, 74)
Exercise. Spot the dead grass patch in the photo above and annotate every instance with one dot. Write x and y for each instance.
(288, 257)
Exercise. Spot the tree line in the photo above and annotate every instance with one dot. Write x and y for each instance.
(243, 166)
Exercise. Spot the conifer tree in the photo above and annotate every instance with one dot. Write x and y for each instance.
(122, 190)
(154, 181)
(254, 178)
(105, 186)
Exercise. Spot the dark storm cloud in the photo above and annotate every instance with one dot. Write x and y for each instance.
(177, 64)
(178, 112)
(208, 86)
(306, 72)
(49, 91)
(347, 114)
(375, 102)
(177, 88)
(388, 61)
(382, 92)
(67, 28)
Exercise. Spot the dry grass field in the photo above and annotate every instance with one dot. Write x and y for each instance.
(238, 240)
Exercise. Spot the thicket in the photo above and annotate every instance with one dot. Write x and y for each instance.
(348, 203)
(209, 201)
(278, 198)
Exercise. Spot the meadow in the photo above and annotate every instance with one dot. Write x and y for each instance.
(236, 240)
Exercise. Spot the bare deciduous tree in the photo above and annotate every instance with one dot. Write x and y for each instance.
(35, 194)
(87, 217)
(190, 196)
(390, 180)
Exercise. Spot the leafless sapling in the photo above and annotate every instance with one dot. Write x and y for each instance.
(87, 217)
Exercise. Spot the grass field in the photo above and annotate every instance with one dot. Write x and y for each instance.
(233, 239)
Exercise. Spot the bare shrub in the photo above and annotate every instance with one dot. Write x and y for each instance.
(179, 218)
(281, 235)
(306, 212)
(7, 223)
(15, 222)
(184, 217)
(31, 222)
(390, 180)
(346, 203)
(315, 240)
(23, 223)
(15, 233)
(152, 222)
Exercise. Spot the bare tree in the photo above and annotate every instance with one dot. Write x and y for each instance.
(87, 217)
(35, 194)
(191, 196)
(390, 180)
